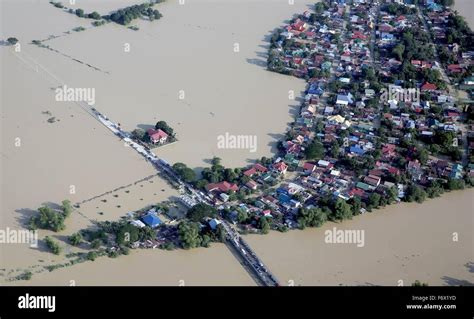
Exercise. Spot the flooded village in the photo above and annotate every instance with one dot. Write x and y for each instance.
(385, 122)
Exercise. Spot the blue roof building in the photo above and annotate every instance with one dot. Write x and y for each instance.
(357, 150)
(152, 220)
(283, 198)
(213, 223)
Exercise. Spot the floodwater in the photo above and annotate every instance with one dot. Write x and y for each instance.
(213, 52)
(432, 242)
(466, 9)
(212, 55)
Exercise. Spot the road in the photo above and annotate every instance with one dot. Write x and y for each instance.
(234, 240)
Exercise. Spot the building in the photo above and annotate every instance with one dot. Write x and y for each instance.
(223, 187)
(157, 136)
(251, 184)
(281, 167)
(213, 223)
(152, 220)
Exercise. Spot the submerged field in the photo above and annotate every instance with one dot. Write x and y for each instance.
(190, 49)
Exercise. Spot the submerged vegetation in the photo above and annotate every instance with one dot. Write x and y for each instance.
(12, 41)
(52, 245)
(122, 16)
(51, 219)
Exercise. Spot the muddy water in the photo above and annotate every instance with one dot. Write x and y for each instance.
(405, 242)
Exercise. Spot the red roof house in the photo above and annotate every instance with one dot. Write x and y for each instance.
(280, 167)
(222, 187)
(157, 136)
(428, 87)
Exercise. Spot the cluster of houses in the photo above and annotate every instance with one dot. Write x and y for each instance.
(346, 119)
(438, 17)
(336, 48)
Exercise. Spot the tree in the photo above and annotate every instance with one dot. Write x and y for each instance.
(92, 255)
(67, 208)
(127, 234)
(186, 173)
(139, 134)
(189, 234)
(311, 217)
(75, 239)
(96, 243)
(341, 210)
(418, 283)
(230, 175)
(356, 205)
(454, 184)
(221, 234)
(94, 15)
(335, 150)
(392, 194)
(264, 225)
(80, 13)
(398, 51)
(200, 211)
(12, 41)
(422, 155)
(415, 193)
(315, 150)
(205, 241)
(242, 216)
(162, 125)
(52, 245)
(48, 219)
(374, 200)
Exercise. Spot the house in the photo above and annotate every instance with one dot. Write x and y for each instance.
(213, 223)
(363, 186)
(369, 93)
(428, 87)
(223, 187)
(251, 184)
(267, 213)
(388, 150)
(260, 168)
(138, 223)
(281, 167)
(157, 136)
(250, 172)
(387, 37)
(414, 169)
(372, 180)
(299, 25)
(152, 220)
(356, 150)
(344, 99)
(455, 68)
(456, 172)
(224, 197)
(309, 168)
